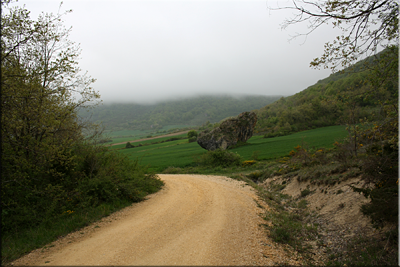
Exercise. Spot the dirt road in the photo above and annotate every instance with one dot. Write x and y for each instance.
(194, 220)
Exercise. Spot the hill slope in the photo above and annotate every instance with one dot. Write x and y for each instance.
(341, 98)
(193, 111)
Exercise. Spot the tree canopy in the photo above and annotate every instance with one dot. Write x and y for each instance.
(367, 27)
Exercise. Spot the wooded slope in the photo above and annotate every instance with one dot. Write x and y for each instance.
(193, 111)
(341, 98)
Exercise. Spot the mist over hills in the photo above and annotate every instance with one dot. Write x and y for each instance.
(336, 99)
(193, 111)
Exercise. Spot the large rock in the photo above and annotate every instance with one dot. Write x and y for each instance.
(229, 132)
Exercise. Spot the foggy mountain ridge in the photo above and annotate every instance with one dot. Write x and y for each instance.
(193, 111)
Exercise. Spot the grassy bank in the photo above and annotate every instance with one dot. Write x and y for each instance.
(18, 243)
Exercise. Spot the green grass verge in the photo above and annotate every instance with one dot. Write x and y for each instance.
(14, 245)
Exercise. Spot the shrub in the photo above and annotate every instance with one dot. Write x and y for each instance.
(248, 163)
(305, 192)
(129, 145)
(380, 168)
(192, 139)
(96, 176)
(174, 139)
(255, 154)
(192, 134)
(172, 170)
(255, 175)
(219, 157)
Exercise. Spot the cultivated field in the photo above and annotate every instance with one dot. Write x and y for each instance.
(179, 153)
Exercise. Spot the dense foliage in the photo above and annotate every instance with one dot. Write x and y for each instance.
(49, 168)
(219, 157)
(193, 111)
(342, 98)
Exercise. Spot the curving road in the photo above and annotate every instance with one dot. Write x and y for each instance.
(194, 220)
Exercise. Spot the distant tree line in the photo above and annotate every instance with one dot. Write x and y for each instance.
(194, 111)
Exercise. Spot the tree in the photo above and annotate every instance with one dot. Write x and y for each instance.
(192, 136)
(367, 26)
(192, 133)
(129, 145)
(41, 91)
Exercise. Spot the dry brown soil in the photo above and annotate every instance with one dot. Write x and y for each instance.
(193, 220)
(339, 216)
(151, 138)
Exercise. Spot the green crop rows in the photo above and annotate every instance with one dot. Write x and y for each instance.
(180, 153)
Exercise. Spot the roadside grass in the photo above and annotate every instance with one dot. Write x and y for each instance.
(367, 251)
(16, 244)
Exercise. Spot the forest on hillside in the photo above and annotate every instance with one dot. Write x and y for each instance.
(340, 99)
(193, 111)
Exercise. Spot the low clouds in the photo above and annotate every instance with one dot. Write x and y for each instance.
(147, 51)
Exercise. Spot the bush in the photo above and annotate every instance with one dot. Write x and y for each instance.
(248, 163)
(95, 176)
(172, 170)
(381, 169)
(305, 192)
(174, 139)
(219, 157)
(129, 145)
(255, 154)
(192, 134)
(192, 139)
(255, 175)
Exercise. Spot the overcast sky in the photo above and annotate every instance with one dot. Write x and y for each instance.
(146, 51)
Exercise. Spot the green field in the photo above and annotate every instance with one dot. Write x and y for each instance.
(180, 153)
(129, 135)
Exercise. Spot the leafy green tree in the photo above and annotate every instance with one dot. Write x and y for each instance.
(129, 145)
(41, 90)
(192, 133)
(366, 26)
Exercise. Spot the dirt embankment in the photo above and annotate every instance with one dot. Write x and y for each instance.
(194, 220)
(339, 217)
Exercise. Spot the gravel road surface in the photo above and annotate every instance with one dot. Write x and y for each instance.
(193, 220)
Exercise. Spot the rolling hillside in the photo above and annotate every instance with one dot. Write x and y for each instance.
(192, 112)
(342, 98)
